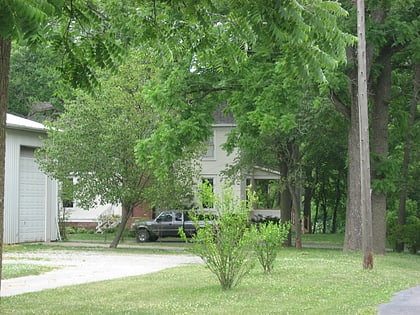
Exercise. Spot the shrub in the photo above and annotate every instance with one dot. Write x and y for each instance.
(409, 234)
(267, 239)
(70, 230)
(224, 243)
(79, 230)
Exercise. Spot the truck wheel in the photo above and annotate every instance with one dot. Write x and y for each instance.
(143, 236)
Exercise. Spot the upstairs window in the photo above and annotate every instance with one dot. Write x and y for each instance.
(210, 148)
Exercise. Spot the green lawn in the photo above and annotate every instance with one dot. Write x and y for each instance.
(307, 239)
(308, 281)
(15, 270)
(323, 239)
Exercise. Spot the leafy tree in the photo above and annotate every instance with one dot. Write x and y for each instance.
(382, 18)
(258, 57)
(34, 82)
(94, 139)
(404, 150)
(77, 31)
(243, 53)
(324, 161)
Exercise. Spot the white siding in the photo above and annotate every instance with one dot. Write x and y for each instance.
(14, 223)
(212, 167)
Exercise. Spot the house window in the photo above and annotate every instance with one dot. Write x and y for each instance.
(210, 148)
(68, 203)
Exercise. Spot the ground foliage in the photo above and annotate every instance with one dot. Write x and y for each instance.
(313, 281)
(224, 242)
(267, 239)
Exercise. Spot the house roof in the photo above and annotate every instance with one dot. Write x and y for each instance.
(16, 122)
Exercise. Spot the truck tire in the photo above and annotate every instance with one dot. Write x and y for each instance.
(143, 236)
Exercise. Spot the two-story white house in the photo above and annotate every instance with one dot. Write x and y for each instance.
(216, 161)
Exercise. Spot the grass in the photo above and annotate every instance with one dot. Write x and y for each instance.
(15, 270)
(323, 239)
(307, 239)
(309, 281)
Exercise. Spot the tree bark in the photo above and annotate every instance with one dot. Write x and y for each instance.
(295, 194)
(324, 208)
(379, 146)
(5, 49)
(353, 229)
(316, 216)
(336, 205)
(124, 219)
(285, 202)
(407, 152)
(309, 191)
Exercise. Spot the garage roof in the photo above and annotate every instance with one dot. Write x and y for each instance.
(16, 122)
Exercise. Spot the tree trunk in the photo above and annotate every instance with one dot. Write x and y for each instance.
(5, 49)
(296, 211)
(309, 191)
(407, 151)
(379, 146)
(285, 202)
(353, 229)
(336, 206)
(316, 216)
(324, 209)
(124, 219)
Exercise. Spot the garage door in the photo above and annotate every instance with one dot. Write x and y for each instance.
(31, 198)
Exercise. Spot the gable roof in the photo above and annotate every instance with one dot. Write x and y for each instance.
(16, 122)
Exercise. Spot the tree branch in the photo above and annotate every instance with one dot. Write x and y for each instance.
(339, 105)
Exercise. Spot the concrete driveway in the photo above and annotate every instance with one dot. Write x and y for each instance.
(76, 267)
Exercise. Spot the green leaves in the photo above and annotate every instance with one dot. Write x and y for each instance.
(223, 243)
(93, 140)
(267, 239)
(22, 19)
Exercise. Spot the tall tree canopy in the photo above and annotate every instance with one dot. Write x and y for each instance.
(254, 55)
(93, 141)
(383, 45)
(78, 31)
(35, 84)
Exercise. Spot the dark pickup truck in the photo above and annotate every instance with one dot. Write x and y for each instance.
(166, 224)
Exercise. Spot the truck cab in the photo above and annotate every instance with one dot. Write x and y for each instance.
(166, 224)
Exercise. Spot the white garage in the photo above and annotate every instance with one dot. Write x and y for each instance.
(31, 198)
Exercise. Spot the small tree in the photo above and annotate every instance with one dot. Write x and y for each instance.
(94, 140)
(224, 243)
(267, 239)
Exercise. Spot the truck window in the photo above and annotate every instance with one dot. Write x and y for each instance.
(165, 217)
